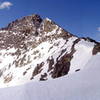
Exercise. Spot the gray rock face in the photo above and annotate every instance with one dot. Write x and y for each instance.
(25, 24)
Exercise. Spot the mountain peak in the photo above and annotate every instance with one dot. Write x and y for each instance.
(25, 22)
(27, 28)
(32, 48)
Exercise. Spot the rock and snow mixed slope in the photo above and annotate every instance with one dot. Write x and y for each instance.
(37, 49)
(83, 85)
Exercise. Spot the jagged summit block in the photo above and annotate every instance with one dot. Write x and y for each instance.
(28, 22)
(32, 48)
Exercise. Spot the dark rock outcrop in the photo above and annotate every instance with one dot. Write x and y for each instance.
(96, 49)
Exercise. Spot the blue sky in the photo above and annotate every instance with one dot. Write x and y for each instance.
(80, 17)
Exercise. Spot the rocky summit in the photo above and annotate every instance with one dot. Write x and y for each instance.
(32, 48)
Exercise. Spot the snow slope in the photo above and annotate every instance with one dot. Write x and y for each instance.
(83, 85)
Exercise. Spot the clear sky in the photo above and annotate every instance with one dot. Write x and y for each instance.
(80, 17)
